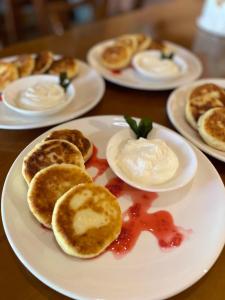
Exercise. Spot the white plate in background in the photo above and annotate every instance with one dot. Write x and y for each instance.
(147, 272)
(132, 79)
(176, 113)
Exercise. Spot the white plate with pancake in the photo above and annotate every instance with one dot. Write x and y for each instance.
(130, 78)
(90, 88)
(148, 271)
(176, 113)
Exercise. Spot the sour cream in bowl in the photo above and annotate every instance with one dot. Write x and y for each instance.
(151, 65)
(162, 162)
(37, 95)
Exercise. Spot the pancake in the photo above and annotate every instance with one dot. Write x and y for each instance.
(25, 65)
(129, 41)
(66, 65)
(43, 62)
(75, 137)
(116, 57)
(211, 126)
(86, 220)
(8, 73)
(48, 153)
(48, 185)
(143, 42)
(201, 99)
(157, 45)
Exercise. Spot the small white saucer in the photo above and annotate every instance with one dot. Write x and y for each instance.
(185, 154)
(157, 76)
(13, 90)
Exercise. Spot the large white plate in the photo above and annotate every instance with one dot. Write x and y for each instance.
(90, 88)
(131, 79)
(145, 273)
(175, 110)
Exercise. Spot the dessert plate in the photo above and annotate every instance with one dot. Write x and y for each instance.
(148, 271)
(90, 88)
(132, 79)
(176, 113)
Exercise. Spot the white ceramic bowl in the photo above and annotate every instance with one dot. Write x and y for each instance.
(14, 89)
(185, 154)
(158, 76)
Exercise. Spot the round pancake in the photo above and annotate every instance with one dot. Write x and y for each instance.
(8, 73)
(48, 153)
(143, 41)
(43, 62)
(116, 57)
(48, 185)
(75, 137)
(128, 40)
(211, 126)
(86, 220)
(25, 65)
(201, 99)
(66, 65)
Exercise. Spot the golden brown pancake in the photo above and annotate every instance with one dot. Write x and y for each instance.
(116, 57)
(25, 65)
(129, 41)
(75, 137)
(86, 220)
(48, 153)
(157, 45)
(48, 185)
(8, 73)
(201, 99)
(143, 41)
(211, 126)
(66, 65)
(43, 62)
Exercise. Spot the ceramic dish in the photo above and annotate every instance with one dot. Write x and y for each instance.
(176, 113)
(131, 79)
(149, 271)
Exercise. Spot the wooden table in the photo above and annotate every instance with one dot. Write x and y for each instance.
(173, 20)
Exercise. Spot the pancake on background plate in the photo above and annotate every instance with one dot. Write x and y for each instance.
(130, 41)
(86, 220)
(158, 45)
(75, 137)
(143, 41)
(43, 62)
(48, 185)
(48, 153)
(201, 99)
(116, 57)
(8, 73)
(211, 126)
(66, 65)
(25, 64)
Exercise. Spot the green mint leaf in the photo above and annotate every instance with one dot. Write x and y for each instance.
(64, 81)
(142, 129)
(132, 123)
(167, 55)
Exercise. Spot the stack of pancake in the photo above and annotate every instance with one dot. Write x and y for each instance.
(28, 64)
(119, 55)
(85, 217)
(205, 112)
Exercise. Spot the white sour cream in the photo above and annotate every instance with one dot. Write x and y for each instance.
(147, 161)
(150, 64)
(41, 96)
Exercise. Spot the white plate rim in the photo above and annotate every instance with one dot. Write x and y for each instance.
(49, 283)
(113, 79)
(200, 144)
(50, 120)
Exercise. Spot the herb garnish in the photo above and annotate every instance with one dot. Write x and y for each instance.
(64, 81)
(142, 129)
(165, 55)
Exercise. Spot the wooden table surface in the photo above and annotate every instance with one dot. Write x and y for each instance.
(174, 20)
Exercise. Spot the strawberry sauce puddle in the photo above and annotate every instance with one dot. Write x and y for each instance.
(137, 218)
